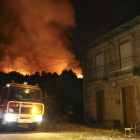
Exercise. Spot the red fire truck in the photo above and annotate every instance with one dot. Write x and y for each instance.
(21, 104)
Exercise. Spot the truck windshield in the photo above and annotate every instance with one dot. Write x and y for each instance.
(25, 94)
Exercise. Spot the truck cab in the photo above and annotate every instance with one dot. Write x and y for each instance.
(21, 104)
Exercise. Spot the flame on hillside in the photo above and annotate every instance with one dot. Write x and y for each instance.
(34, 36)
(79, 76)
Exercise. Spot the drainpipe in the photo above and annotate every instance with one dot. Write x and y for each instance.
(84, 86)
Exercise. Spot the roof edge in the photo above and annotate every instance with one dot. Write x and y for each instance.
(112, 33)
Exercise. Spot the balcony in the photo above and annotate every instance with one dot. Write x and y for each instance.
(100, 73)
(129, 64)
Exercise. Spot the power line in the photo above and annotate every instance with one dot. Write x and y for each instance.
(47, 57)
(50, 65)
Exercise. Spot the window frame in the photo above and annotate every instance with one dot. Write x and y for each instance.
(121, 43)
(99, 53)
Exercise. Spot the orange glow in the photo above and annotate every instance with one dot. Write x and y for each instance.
(24, 73)
(41, 29)
(80, 76)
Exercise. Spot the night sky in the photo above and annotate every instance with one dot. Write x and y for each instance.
(96, 17)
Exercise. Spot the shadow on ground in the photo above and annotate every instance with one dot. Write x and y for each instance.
(13, 129)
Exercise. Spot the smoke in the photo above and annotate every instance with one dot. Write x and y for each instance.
(34, 36)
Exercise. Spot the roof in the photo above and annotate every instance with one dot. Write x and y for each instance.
(128, 25)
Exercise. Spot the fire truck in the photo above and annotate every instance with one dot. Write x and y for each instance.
(21, 104)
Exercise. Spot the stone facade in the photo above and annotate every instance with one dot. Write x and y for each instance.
(116, 76)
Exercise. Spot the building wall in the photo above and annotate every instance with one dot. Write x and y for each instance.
(113, 94)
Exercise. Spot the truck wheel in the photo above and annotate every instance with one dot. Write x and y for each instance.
(12, 126)
(32, 127)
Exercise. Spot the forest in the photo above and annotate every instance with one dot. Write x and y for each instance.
(33, 79)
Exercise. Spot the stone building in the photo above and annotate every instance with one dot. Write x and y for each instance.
(111, 70)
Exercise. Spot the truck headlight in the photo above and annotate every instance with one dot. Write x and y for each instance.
(34, 110)
(9, 117)
(38, 118)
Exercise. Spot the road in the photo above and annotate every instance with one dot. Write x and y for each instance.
(43, 132)
(45, 136)
(63, 132)
(33, 136)
(22, 133)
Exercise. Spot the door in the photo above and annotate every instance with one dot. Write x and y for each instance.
(100, 100)
(129, 107)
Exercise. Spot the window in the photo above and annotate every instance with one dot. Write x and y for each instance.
(25, 94)
(125, 55)
(99, 64)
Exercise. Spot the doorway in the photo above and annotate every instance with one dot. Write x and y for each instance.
(129, 107)
(100, 102)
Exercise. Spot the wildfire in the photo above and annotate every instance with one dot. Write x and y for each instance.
(35, 36)
(80, 76)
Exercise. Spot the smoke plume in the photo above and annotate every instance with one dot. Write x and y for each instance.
(34, 36)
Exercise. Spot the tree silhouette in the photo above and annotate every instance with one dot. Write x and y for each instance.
(69, 72)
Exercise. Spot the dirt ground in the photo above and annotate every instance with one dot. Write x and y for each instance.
(68, 131)
(96, 131)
